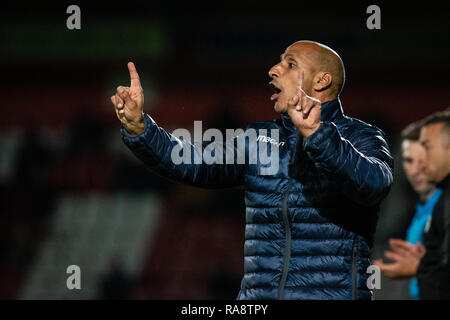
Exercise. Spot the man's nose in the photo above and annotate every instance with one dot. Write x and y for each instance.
(274, 71)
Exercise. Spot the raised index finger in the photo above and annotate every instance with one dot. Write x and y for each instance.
(300, 80)
(134, 77)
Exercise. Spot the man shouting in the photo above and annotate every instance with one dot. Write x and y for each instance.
(310, 224)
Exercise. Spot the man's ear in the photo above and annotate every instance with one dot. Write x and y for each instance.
(322, 80)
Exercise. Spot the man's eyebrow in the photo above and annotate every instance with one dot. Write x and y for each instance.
(286, 55)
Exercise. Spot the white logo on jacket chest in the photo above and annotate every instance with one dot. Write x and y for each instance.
(270, 140)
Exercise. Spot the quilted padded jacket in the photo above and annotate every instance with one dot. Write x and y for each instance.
(309, 225)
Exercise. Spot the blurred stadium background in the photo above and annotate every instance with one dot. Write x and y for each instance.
(71, 193)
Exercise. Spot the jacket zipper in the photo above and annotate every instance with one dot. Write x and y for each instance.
(354, 269)
(287, 255)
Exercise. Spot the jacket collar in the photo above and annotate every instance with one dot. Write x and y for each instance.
(330, 110)
(444, 183)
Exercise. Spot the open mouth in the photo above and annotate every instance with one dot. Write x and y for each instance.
(276, 90)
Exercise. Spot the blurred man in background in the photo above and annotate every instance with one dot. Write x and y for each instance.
(310, 224)
(407, 260)
(434, 268)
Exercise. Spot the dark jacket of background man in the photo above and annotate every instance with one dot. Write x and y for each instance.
(434, 268)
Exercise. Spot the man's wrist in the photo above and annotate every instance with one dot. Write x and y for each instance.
(135, 128)
(306, 133)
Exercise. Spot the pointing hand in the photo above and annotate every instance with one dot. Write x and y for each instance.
(129, 103)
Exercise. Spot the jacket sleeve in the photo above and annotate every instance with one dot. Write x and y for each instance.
(444, 283)
(160, 152)
(362, 169)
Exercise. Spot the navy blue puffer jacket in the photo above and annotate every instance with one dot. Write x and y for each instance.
(309, 225)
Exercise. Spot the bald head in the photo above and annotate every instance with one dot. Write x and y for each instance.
(322, 59)
(321, 67)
